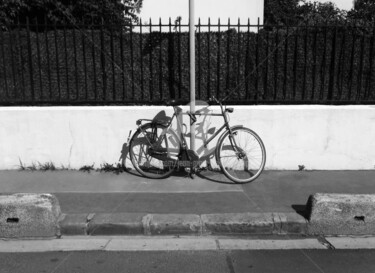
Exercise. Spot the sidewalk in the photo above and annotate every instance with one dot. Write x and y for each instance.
(109, 200)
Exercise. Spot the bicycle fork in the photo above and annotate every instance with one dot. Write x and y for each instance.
(239, 154)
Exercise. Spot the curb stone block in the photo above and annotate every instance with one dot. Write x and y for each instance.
(74, 224)
(164, 224)
(290, 223)
(341, 214)
(116, 224)
(24, 215)
(243, 223)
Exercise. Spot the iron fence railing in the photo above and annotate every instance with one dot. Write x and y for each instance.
(149, 63)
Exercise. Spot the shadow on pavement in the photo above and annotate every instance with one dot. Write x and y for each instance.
(301, 210)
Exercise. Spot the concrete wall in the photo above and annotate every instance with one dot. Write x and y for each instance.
(319, 137)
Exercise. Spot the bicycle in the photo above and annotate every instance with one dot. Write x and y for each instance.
(156, 150)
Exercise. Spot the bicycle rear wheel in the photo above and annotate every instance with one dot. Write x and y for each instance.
(159, 138)
(248, 162)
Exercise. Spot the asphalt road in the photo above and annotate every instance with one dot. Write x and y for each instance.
(264, 261)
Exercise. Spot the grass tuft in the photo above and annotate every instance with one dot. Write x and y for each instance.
(48, 166)
(21, 167)
(106, 167)
(32, 167)
(87, 168)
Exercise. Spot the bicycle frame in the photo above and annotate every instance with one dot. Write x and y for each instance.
(183, 143)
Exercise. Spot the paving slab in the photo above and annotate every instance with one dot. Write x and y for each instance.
(246, 244)
(352, 243)
(96, 182)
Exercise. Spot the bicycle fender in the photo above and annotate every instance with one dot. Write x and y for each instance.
(219, 140)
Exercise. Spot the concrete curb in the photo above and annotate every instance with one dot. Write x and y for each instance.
(184, 224)
(29, 215)
(341, 214)
(39, 215)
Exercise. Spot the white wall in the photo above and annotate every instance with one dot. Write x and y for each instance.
(204, 9)
(319, 137)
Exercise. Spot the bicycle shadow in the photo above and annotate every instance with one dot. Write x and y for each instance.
(204, 131)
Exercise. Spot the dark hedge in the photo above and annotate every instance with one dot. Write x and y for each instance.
(306, 65)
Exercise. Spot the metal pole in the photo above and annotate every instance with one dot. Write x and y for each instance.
(192, 70)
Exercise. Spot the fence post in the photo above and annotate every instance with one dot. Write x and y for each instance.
(160, 62)
(84, 62)
(352, 64)
(227, 86)
(21, 57)
(369, 77)
(276, 70)
(295, 64)
(30, 59)
(305, 63)
(314, 62)
(331, 85)
(113, 64)
(286, 62)
(122, 63)
(141, 58)
(171, 80)
(266, 72)
(218, 61)
(257, 64)
(238, 55)
(75, 62)
(208, 59)
(94, 61)
(341, 65)
(38, 53)
(199, 58)
(151, 75)
(3, 56)
(102, 58)
(57, 61)
(66, 65)
(359, 79)
(323, 66)
(12, 69)
(179, 59)
(132, 58)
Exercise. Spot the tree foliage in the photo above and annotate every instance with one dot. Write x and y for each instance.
(79, 12)
(296, 12)
(363, 12)
(299, 12)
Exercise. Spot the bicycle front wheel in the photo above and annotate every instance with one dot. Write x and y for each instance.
(242, 155)
(163, 142)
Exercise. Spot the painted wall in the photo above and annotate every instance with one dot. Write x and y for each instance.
(319, 137)
(204, 9)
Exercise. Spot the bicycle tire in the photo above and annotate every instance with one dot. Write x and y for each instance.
(248, 168)
(140, 143)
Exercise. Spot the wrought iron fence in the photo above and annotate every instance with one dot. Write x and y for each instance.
(149, 63)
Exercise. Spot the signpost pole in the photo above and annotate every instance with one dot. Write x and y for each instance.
(192, 71)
